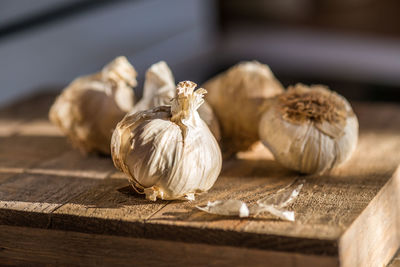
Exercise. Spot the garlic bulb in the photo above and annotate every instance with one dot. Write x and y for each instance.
(159, 89)
(238, 97)
(168, 152)
(90, 107)
(310, 129)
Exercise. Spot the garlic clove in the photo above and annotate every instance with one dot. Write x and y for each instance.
(168, 152)
(310, 129)
(239, 97)
(89, 108)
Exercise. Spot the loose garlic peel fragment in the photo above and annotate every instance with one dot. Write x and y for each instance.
(310, 129)
(239, 97)
(275, 203)
(168, 152)
(90, 107)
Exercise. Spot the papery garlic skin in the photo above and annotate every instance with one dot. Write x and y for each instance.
(239, 97)
(208, 116)
(89, 108)
(168, 152)
(159, 89)
(310, 143)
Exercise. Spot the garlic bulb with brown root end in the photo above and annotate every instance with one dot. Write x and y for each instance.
(159, 89)
(88, 110)
(239, 97)
(168, 152)
(310, 129)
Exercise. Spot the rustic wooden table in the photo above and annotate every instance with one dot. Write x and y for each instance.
(60, 207)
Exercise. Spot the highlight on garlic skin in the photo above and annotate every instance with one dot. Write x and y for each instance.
(159, 89)
(310, 129)
(90, 107)
(168, 152)
(239, 96)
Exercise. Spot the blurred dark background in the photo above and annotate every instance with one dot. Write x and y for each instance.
(351, 45)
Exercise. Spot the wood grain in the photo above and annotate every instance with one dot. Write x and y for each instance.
(350, 214)
(109, 207)
(19, 151)
(374, 237)
(61, 248)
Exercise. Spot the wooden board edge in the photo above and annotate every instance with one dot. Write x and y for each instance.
(157, 231)
(374, 237)
(46, 247)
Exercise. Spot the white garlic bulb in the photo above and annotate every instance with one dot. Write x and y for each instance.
(90, 107)
(310, 129)
(238, 97)
(168, 152)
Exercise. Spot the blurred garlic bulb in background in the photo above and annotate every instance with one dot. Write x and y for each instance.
(310, 129)
(239, 96)
(159, 89)
(168, 152)
(90, 107)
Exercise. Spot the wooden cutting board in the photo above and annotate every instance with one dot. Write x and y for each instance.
(58, 206)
